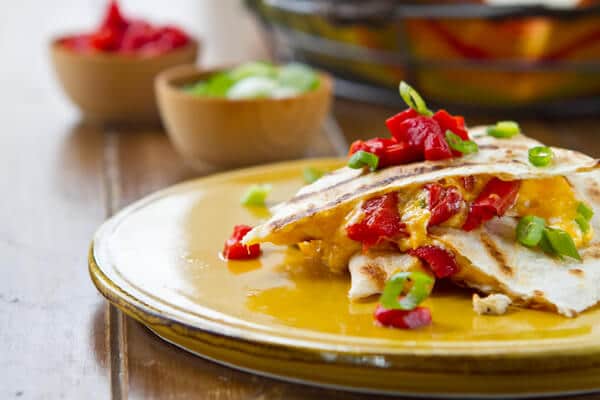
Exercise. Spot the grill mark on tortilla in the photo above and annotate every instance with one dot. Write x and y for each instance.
(577, 272)
(488, 147)
(592, 251)
(357, 193)
(594, 191)
(375, 273)
(496, 254)
(538, 293)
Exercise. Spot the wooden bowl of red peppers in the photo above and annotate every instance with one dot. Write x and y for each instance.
(109, 73)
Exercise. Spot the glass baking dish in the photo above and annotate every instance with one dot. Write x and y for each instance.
(520, 57)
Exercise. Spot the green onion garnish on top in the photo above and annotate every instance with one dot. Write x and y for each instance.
(541, 156)
(362, 159)
(504, 129)
(413, 99)
(311, 174)
(398, 283)
(457, 143)
(585, 211)
(256, 195)
(562, 243)
(530, 230)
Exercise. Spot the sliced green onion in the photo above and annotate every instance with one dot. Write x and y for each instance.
(545, 244)
(299, 77)
(253, 68)
(585, 211)
(413, 99)
(311, 174)
(256, 195)
(583, 223)
(540, 156)
(562, 243)
(530, 230)
(396, 285)
(362, 159)
(504, 129)
(457, 143)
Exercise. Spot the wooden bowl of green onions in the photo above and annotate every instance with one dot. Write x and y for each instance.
(253, 113)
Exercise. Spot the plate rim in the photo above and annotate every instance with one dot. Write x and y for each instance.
(149, 315)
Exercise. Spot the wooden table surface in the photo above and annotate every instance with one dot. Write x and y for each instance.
(62, 177)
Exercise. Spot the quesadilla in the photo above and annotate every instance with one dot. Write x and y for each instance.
(500, 213)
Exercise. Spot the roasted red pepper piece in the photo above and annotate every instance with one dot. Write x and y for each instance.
(388, 150)
(118, 34)
(436, 147)
(415, 132)
(235, 250)
(440, 261)
(456, 124)
(420, 316)
(493, 201)
(381, 221)
(444, 202)
(394, 123)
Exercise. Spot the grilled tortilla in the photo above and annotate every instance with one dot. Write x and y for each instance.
(311, 212)
(492, 261)
(490, 258)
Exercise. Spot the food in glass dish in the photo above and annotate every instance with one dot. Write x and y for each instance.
(258, 79)
(121, 35)
(486, 208)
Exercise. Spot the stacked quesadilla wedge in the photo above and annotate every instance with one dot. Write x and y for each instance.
(494, 220)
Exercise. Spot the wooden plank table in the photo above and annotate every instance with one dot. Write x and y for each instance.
(62, 177)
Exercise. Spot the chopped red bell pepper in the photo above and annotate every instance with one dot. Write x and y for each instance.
(381, 221)
(440, 261)
(235, 250)
(456, 124)
(496, 197)
(436, 147)
(388, 150)
(444, 202)
(121, 35)
(420, 316)
(415, 132)
(394, 123)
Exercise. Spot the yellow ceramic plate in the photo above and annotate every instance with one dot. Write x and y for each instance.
(158, 260)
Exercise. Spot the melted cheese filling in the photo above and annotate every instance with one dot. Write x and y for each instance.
(550, 198)
(554, 200)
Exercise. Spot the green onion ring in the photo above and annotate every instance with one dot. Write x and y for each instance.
(457, 143)
(420, 289)
(504, 129)
(583, 223)
(530, 230)
(363, 158)
(562, 243)
(311, 174)
(413, 99)
(585, 211)
(540, 156)
(256, 195)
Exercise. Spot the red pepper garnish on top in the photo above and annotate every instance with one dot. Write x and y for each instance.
(493, 201)
(235, 250)
(381, 222)
(420, 316)
(441, 262)
(121, 35)
(388, 150)
(416, 136)
(444, 202)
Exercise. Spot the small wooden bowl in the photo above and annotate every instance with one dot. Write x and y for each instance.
(224, 133)
(115, 87)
